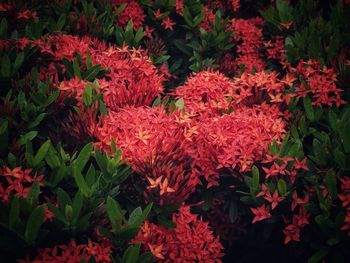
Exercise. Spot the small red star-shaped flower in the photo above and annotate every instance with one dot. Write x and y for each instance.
(168, 23)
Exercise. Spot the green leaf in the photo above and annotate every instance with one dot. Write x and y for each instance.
(60, 23)
(76, 68)
(19, 61)
(83, 157)
(180, 104)
(5, 66)
(81, 183)
(308, 108)
(34, 223)
(63, 198)
(40, 155)
(131, 255)
(114, 212)
(319, 255)
(14, 212)
(77, 206)
(135, 215)
(331, 183)
(282, 187)
(87, 95)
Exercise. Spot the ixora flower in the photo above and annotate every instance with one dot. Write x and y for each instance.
(191, 241)
(154, 145)
(236, 141)
(319, 82)
(131, 78)
(206, 93)
(132, 11)
(73, 253)
(261, 213)
(16, 182)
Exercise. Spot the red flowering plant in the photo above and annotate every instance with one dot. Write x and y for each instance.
(174, 131)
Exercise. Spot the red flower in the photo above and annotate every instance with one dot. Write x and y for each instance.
(274, 199)
(74, 253)
(261, 213)
(26, 15)
(16, 182)
(133, 11)
(168, 23)
(191, 240)
(292, 232)
(154, 145)
(299, 201)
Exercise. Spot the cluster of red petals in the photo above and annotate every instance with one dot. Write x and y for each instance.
(26, 15)
(345, 199)
(206, 92)
(255, 88)
(235, 5)
(132, 11)
(261, 213)
(191, 240)
(73, 253)
(154, 145)
(275, 50)
(319, 82)
(237, 140)
(16, 182)
(131, 79)
(179, 6)
(248, 35)
(208, 20)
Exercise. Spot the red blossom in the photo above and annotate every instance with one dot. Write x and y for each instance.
(292, 232)
(26, 15)
(73, 253)
(273, 199)
(154, 145)
(133, 11)
(299, 201)
(261, 213)
(17, 182)
(168, 23)
(191, 240)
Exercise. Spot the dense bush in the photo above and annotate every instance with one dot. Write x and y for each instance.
(174, 131)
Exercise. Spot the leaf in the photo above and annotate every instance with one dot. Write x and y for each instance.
(76, 68)
(5, 66)
(18, 61)
(14, 212)
(63, 198)
(60, 23)
(81, 183)
(233, 211)
(87, 95)
(135, 215)
(77, 206)
(308, 108)
(319, 255)
(34, 223)
(180, 104)
(40, 155)
(282, 187)
(331, 182)
(83, 157)
(131, 255)
(114, 212)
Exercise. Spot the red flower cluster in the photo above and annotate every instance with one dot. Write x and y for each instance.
(319, 82)
(237, 140)
(132, 79)
(345, 199)
(132, 11)
(256, 88)
(73, 253)
(248, 35)
(16, 182)
(208, 20)
(206, 93)
(154, 145)
(191, 240)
